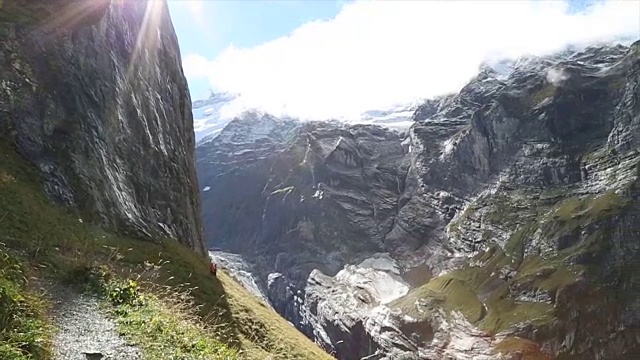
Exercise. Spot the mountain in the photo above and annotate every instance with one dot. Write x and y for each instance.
(117, 143)
(502, 225)
(397, 117)
(211, 115)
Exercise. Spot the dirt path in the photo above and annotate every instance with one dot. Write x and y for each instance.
(84, 331)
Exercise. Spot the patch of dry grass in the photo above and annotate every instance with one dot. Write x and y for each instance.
(265, 334)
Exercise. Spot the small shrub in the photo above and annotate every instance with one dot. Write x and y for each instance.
(125, 293)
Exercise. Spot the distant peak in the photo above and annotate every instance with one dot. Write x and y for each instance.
(214, 98)
(222, 96)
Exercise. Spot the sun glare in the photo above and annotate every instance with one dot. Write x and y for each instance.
(148, 36)
(195, 6)
(196, 10)
(74, 14)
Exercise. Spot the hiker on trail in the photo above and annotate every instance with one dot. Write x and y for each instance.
(213, 268)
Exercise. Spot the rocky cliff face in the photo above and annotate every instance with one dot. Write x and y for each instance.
(504, 224)
(93, 94)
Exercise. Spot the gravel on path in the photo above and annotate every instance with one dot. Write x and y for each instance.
(84, 332)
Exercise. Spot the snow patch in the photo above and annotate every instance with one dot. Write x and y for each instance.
(447, 148)
(382, 262)
(206, 188)
(319, 194)
(378, 276)
(242, 152)
(209, 120)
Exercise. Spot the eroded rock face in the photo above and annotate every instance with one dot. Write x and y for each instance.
(508, 215)
(93, 94)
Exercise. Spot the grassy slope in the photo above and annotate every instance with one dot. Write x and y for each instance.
(481, 283)
(40, 239)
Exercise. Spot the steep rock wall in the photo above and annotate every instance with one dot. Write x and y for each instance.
(93, 94)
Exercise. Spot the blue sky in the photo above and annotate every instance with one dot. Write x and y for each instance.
(328, 58)
(243, 23)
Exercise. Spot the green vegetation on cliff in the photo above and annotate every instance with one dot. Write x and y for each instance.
(160, 293)
(537, 276)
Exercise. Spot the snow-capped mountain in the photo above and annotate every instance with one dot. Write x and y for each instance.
(396, 118)
(211, 115)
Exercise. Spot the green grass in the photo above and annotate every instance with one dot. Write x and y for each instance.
(46, 240)
(164, 333)
(503, 312)
(457, 296)
(24, 332)
(588, 208)
(454, 291)
(539, 95)
(575, 213)
(163, 321)
(459, 290)
(546, 274)
(529, 350)
(515, 244)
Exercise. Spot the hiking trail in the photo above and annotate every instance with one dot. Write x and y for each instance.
(84, 331)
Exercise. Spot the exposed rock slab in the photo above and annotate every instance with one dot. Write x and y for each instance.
(93, 94)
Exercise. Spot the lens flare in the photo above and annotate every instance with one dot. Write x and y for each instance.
(74, 15)
(149, 35)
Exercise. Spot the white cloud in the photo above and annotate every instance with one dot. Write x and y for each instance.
(196, 66)
(377, 53)
(556, 76)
